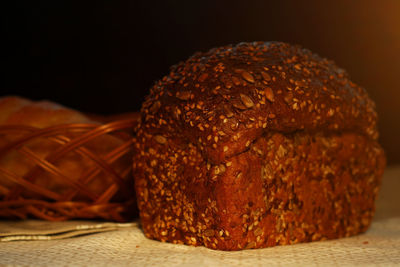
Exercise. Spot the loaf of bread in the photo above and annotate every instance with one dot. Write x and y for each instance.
(256, 145)
(29, 171)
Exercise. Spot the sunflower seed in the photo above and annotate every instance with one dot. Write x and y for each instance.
(203, 77)
(269, 94)
(228, 112)
(209, 232)
(247, 76)
(239, 105)
(160, 139)
(183, 95)
(251, 244)
(258, 231)
(155, 107)
(265, 76)
(246, 101)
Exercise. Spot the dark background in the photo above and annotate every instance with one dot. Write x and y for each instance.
(102, 57)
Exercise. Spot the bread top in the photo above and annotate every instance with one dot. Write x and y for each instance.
(224, 99)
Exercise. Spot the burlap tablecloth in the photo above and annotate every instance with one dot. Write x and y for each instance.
(126, 246)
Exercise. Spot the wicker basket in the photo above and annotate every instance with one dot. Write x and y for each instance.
(67, 171)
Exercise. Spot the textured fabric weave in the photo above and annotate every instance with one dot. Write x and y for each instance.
(45, 230)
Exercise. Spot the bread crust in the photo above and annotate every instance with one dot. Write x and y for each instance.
(219, 115)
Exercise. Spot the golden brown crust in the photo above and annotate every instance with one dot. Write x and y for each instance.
(256, 145)
(286, 189)
(254, 88)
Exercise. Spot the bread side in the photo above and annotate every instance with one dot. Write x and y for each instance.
(285, 189)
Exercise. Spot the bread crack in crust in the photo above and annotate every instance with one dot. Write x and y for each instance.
(256, 145)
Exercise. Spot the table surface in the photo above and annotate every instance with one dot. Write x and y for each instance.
(379, 246)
